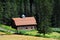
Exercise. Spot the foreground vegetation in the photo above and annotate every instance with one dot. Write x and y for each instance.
(35, 33)
(10, 30)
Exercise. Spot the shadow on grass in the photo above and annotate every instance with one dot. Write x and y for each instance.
(42, 36)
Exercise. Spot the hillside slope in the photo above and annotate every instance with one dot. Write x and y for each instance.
(6, 29)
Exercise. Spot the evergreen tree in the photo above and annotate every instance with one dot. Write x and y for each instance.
(44, 13)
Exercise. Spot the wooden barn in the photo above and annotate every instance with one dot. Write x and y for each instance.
(27, 23)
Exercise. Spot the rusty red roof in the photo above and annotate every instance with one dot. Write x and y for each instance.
(24, 21)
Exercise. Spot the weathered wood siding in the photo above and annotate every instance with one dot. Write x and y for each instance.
(26, 27)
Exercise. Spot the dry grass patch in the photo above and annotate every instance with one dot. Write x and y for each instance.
(22, 37)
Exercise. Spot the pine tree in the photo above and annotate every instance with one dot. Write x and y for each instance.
(44, 13)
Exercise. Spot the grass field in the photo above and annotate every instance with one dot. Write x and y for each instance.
(21, 37)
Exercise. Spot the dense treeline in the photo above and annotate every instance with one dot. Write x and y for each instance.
(46, 12)
(56, 13)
